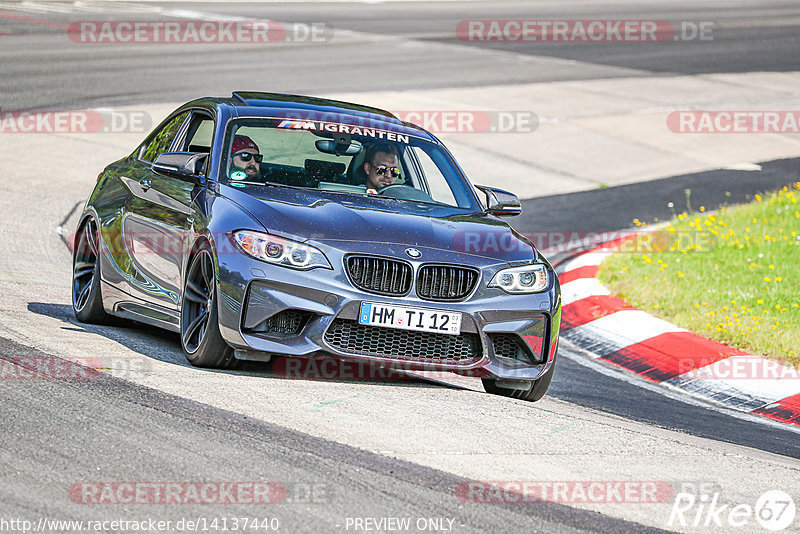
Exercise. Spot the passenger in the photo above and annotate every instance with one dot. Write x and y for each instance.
(245, 159)
(381, 166)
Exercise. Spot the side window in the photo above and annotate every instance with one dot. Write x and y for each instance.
(161, 141)
(439, 188)
(199, 136)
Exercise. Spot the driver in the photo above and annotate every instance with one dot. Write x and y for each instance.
(381, 166)
(245, 159)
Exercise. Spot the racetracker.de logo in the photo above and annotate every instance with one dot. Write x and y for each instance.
(737, 368)
(48, 368)
(177, 493)
(582, 31)
(335, 369)
(504, 241)
(734, 121)
(196, 32)
(572, 491)
(454, 121)
(75, 121)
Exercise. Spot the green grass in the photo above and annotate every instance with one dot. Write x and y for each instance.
(733, 276)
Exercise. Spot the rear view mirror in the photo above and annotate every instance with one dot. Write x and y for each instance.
(182, 165)
(500, 203)
(329, 146)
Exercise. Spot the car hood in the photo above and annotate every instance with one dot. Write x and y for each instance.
(337, 219)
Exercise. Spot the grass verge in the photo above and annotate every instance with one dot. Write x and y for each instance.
(733, 276)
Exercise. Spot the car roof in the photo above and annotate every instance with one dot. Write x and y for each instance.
(259, 104)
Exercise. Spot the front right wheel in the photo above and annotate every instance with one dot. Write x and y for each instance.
(201, 340)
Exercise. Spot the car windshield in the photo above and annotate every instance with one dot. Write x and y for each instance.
(331, 157)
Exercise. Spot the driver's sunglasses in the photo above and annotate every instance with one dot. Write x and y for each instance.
(245, 156)
(394, 172)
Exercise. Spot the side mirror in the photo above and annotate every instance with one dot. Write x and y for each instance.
(500, 203)
(181, 165)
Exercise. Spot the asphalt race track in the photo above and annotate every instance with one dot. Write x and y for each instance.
(352, 452)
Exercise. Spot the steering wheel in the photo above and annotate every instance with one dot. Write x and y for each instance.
(383, 190)
(404, 192)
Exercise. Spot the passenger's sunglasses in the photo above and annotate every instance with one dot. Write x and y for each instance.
(394, 172)
(245, 156)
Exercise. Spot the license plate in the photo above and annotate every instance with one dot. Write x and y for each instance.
(407, 318)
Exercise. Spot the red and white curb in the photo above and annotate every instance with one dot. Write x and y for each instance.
(610, 330)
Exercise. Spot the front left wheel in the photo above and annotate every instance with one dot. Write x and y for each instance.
(87, 299)
(201, 340)
(535, 391)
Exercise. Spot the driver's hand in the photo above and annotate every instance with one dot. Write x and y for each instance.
(371, 191)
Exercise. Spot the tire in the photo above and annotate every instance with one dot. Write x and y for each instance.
(87, 299)
(535, 392)
(201, 340)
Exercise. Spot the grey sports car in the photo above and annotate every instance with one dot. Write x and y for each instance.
(266, 225)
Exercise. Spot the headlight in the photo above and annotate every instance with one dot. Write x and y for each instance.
(525, 279)
(280, 251)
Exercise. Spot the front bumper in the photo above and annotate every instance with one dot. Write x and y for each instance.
(267, 310)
